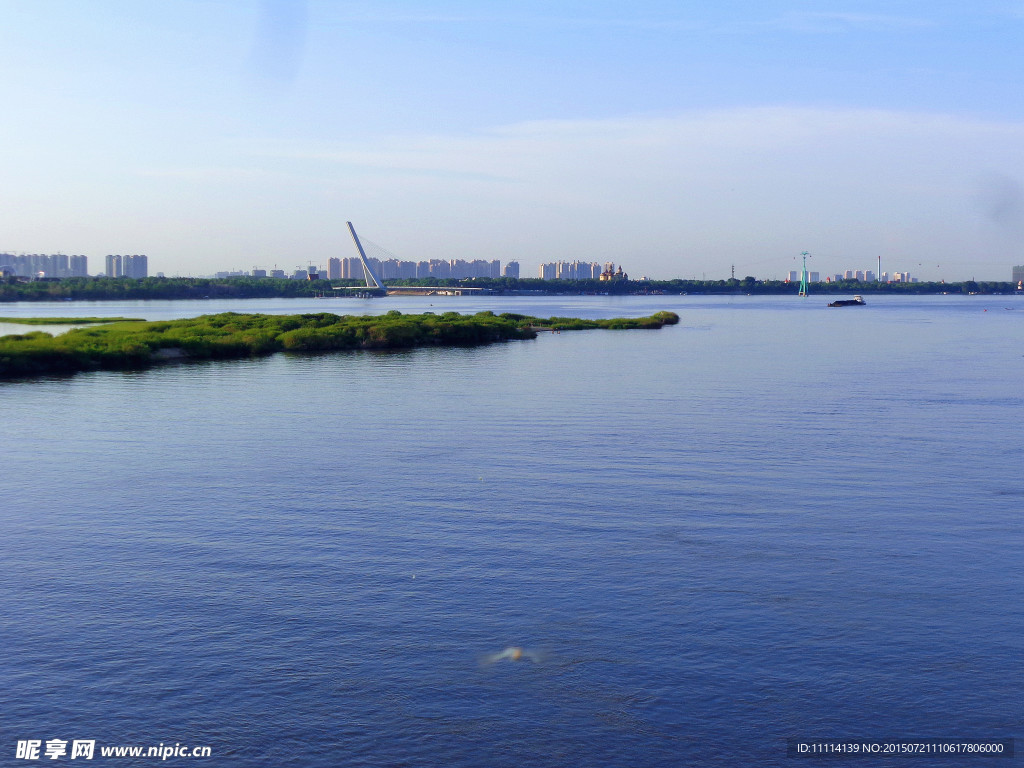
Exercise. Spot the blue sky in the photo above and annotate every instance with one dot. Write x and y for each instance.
(678, 139)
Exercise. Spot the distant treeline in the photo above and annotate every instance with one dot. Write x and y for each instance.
(106, 289)
(140, 344)
(115, 288)
(731, 286)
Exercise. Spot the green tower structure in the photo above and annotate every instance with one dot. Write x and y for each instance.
(803, 275)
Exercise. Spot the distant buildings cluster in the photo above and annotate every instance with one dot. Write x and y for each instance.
(794, 276)
(456, 269)
(394, 269)
(580, 270)
(57, 265)
(861, 275)
(391, 269)
(127, 266)
(44, 265)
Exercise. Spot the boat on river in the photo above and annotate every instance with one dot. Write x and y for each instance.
(856, 301)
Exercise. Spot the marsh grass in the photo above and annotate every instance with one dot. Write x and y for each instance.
(136, 344)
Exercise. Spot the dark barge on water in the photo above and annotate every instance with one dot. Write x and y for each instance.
(856, 301)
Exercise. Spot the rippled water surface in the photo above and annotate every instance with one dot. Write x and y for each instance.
(772, 520)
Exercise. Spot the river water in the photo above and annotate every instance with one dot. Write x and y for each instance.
(773, 520)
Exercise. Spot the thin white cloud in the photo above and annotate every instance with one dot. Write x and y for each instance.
(677, 195)
(512, 152)
(834, 22)
(691, 189)
(506, 18)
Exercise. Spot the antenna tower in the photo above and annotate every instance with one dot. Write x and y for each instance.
(803, 275)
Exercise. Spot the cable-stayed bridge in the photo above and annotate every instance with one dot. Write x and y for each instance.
(375, 285)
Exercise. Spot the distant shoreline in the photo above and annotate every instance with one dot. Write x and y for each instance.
(160, 288)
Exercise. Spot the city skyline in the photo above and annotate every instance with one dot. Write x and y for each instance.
(349, 268)
(683, 141)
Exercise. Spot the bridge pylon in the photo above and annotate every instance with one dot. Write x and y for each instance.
(803, 275)
(373, 280)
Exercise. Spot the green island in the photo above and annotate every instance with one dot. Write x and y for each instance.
(137, 344)
(66, 320)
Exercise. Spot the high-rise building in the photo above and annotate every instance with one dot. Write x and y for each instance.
(396, 269)
(570, 270)
(565, 270)
(114, 266)
(334, 269)
(1018, 274)
(135, 266)
(512, 269)
(401, 270)
(46, 265)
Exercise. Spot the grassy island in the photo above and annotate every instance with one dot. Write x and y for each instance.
(137, 344)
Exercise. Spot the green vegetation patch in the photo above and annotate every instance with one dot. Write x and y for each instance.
(133, 344)
(655, 321)
(67, 320)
